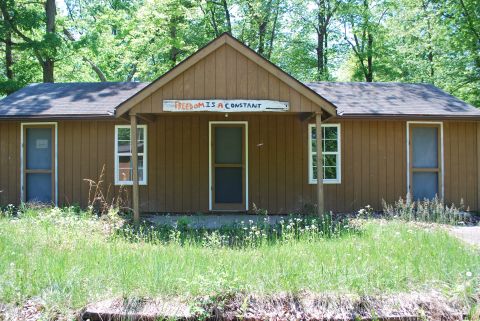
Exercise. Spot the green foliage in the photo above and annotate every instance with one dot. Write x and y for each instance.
(349, 40)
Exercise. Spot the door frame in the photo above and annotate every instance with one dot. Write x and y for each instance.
(210, 162)
(438, 124)
(54, 125)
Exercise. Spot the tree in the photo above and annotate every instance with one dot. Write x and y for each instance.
(21, 20)
(362, 19)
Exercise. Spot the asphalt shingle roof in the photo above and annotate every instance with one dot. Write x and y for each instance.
(68, 99)
(396, 99)
(360, 99)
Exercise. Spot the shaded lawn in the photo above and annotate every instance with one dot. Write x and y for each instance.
(70, 261)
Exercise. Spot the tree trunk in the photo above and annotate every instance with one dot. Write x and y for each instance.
(227, 16)
(47, 67)
(369, 75)
(320, 55)
(8, 55)
(49, 62)
(173, 48)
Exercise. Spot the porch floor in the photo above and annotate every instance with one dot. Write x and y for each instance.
(211, 221)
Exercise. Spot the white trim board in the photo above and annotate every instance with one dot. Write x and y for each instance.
(442, 174)
(338, 180)
(145, 159)
(22, 187)
(210, 195)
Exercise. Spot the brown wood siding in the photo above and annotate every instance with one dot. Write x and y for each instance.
(226, 74)
(9, 163)
(373, 156)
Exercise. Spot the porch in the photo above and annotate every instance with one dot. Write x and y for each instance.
(224, 163)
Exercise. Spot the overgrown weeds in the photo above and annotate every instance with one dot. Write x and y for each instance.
(431, 211)
(68, 258)
(102, 200)
(243, 234)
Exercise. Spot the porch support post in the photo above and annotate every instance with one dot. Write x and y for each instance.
(134, 146)
(320, 199)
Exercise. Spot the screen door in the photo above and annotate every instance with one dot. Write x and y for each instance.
(228, 167)
(39, 163)
(425, 161)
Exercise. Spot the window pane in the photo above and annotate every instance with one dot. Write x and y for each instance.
(228, 185)
(140, 134)
(39, 148)
(314, 133)
(124, 168)
(124, 146)
(314, 164)
(39, 187)
(124, 140)
(425, 145)
(425, 185)
(330, 146)
(123, 134)
(140, 146)
(140, 168)
(330, 133)
(329, 160)
(330, 173)
(228, 145)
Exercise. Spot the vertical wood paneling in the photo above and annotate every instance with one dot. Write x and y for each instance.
(220, 73)
(373, 162)
(161, 159)
(231, 72)
(12, 155)
(390, 150)
(280, 165)
(4, 163)
(252, 84)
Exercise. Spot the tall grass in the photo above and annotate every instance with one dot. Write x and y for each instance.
(243, 234)
(68, 259)
(433, 211)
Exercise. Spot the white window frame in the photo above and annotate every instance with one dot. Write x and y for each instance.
(312, 180)
(144, 154)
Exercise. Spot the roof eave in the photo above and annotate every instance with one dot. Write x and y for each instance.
(409, 116)
(58, 117)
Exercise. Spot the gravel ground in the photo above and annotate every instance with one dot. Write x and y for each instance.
(469, 234)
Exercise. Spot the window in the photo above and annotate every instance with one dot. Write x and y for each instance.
(330, 151)
(123, 155)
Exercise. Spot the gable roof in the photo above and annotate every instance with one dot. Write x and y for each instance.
(223, 39)
(67, 99)
(392, 99)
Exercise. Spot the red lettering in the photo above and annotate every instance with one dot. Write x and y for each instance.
(220, 105)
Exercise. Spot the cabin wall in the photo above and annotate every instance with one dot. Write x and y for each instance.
(373, 167)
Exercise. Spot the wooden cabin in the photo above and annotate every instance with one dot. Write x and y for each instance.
(226, 130)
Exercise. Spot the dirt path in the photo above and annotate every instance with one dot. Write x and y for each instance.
(469, 234)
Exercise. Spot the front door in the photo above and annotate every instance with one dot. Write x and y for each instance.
(39, 163)
(425, 161)
(228, 172)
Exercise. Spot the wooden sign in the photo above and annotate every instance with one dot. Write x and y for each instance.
(224, 106)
